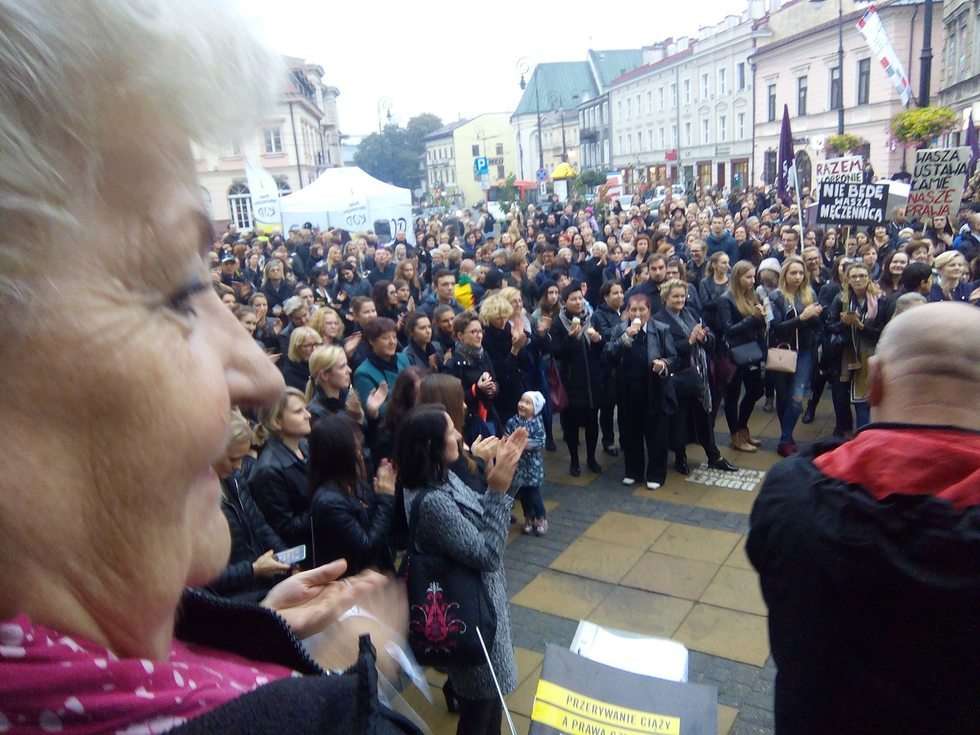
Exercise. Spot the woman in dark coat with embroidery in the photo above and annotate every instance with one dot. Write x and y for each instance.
(469, 529)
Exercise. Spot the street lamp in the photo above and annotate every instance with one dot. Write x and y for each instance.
(537, 104)
(926, 56)
(840, 66)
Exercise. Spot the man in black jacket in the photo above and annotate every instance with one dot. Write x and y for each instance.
(868, 552)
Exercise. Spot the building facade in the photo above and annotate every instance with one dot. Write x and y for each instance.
(298, 140)
(960, 80)
(685, 115)
(797, 64)
(451, 151)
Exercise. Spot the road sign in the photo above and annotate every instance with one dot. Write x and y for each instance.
(481, 165)
(542, 174)
(485, 182)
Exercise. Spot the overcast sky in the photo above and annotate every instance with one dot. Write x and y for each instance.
(434, 57)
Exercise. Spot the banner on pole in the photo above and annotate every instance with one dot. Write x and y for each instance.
(875, 34)
(266, 216)
(846, 168)
(842, 203)
(938, 179)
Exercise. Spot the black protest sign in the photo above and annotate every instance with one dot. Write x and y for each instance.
(577, 696)
(852, 204)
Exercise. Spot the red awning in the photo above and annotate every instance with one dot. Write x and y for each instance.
(526, 184)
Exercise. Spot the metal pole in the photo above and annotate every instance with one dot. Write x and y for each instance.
(564, 150)
(840, 66)
(926, 57)
(537, 104)
(677, 142)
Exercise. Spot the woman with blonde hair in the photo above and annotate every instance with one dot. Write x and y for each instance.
(742, 320)
(506, 345)
(795, 325)
(950, 286)
(857, 320)
(327, 323)
(295, 367)
(278, 481)
(252, 568)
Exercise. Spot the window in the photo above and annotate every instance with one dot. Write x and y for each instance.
(662, 137)
(705, 131)
(722, 128)
(649, 102)
(605, 112)
(639, 106)
(769, 167)
(740, 126)
(673, 135)
(650, 139)
(835, 89)
(500, 171)
(629, 142)
(475, 149)
(723, 81)
(687, 134)
(499, 149)
(673, 94)
(273, 140)
(771, 111)
(629, 108)
(619, 108)
(864, 81)
(740, 73)
(687, 91)
(619, 144)
(801, 84)
(240, 206)
(661, 93)
(236, 148)
(704, 86)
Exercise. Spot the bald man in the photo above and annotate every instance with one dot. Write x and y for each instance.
(868, 552)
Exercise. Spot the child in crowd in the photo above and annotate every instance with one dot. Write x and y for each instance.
(530, 468)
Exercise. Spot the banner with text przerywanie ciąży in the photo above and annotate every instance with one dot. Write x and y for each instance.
(576, 696)
(852, 204)
(937, 182)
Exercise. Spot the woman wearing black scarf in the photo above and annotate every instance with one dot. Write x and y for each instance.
(693, 342)
(577, 346)
(418, 342)
(471, 364)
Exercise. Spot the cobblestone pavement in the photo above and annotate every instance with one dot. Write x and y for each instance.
(669, 563)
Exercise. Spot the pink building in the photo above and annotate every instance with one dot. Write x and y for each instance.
(796, 63)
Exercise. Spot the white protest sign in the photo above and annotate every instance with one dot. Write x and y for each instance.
(264, 190)
(937, 182)
(845, 168)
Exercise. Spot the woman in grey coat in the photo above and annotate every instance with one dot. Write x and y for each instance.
(468, 528)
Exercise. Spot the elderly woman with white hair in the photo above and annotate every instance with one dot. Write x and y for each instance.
(109, 507)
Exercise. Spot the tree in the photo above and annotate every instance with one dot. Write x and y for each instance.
(587, 180)
(838, 145)
(394, 154)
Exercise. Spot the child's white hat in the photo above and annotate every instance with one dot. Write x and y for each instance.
(537, 400)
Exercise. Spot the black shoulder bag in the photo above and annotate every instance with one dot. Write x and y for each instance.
(447, 603)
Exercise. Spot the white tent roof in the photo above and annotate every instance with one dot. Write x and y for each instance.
(337, 188)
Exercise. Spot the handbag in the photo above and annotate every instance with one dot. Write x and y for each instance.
(782, 358)
(556, 389)
(747, 355)
(447, 603)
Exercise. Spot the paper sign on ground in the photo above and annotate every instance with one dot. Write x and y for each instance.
(845, 168)
(937, 182)
(576, 696)
(852, 204)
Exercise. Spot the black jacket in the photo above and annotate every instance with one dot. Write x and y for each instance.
(346, 528)
(417, 357)
(296, 374)
(787, 328)
(738, 329)
(509, 370)
(605, 320)
(873, 604)
(251, 537)
(580, 366)
(313, 703)
(279, 485)
(659, 346)
(276, 295)
(477, 403)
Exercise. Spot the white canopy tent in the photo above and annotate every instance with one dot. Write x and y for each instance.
(352, 200)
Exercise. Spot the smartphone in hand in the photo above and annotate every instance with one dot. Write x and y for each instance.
(292, 556)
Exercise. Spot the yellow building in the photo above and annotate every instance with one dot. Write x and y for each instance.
(451, 154)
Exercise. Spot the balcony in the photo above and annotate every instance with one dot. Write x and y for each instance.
(588, 135)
